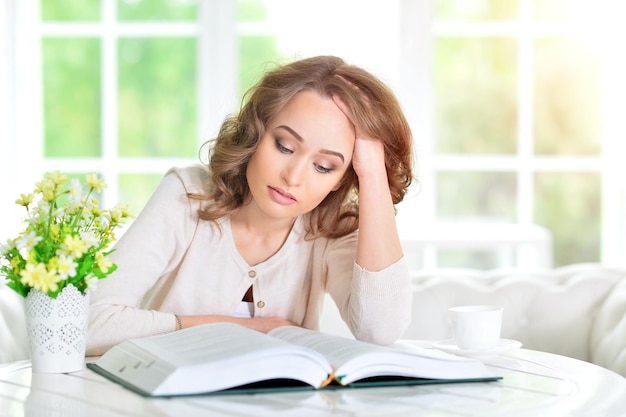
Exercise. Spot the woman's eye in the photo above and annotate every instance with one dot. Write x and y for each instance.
(322, 169)
(281, 148)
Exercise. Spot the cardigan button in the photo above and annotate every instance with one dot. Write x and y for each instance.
(252, 273)
(260, 304)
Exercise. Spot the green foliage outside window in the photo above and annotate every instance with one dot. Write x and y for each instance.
(256, 55)
(70, 10)
(157, 10)
(476, 10)
(567, 101)
(475, 96)
(478, 259)
(136, 189)
(570, 204)
(477, 196)
(71, 84)
(251, 11)
(157, 97)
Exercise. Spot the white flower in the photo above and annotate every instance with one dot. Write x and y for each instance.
(27, 241)
(66, 267)
(72, 206)
(42, 208)
(58, 213)
(92, 282)
(90, 238)
(75, 190)
(6, 247)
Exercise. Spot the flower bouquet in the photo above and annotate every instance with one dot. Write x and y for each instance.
(54, 262)
(65, 239)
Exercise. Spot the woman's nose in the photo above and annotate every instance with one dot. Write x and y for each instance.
(293, 172)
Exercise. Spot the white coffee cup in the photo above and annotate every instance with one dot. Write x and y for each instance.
(476, 327)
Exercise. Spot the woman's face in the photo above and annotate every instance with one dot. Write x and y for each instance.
(302, 157)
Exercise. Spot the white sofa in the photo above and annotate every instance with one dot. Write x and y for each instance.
(577, 310)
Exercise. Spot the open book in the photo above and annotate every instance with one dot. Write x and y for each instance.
(221, 357)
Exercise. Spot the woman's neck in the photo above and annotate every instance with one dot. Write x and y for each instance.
(250, 218)
(258, 237)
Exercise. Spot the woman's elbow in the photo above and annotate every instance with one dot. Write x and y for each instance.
(385, 333)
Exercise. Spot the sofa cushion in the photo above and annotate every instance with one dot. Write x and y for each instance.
(571, 311)
(608, 336)
(13, 340)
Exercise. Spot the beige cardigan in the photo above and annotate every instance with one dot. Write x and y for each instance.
(169, 261)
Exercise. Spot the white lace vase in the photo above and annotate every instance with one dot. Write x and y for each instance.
(57, 330)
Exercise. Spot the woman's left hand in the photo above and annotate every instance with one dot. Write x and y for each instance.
(368, 157)
(369, 153)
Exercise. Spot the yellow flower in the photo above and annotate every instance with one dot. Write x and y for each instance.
(47, 188)
(31, 257)
(103, 263)
(55, 230)
(94, 182)
(38, 277)
(57, 177)
(15, 263)
(25, 199)
(74, 246)
(96, 211)
(53, 263)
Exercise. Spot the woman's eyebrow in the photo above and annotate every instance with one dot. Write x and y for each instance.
(290, 130)
(301, 139)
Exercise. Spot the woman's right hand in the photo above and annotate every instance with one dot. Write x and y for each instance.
(261, 324)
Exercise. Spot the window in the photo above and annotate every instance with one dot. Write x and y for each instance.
(515, 104)
(130, 88)
(521, 121)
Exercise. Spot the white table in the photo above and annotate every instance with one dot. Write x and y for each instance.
(534, 384)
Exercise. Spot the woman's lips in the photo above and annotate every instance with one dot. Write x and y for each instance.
(281, 196)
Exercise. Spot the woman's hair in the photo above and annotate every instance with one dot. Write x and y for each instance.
(375, 110)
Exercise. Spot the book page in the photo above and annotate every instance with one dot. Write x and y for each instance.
(354, 360)
(338, 350)
(209, 358)
(208, 343)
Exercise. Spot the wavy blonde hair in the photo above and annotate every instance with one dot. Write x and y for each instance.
(374, 107)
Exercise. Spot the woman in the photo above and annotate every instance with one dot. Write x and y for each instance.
(297, 200)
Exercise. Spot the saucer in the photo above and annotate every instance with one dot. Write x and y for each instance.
(504, 345)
